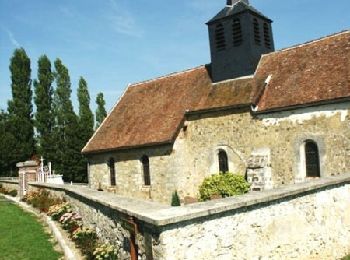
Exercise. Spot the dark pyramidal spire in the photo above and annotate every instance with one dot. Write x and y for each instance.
(239, 34)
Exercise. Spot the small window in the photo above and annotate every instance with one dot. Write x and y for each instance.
(237, 32)
(257, 38)
(312, 159)
(267, 38)
(223, 161)
(220, 37)
(111, 165)
(146, 172)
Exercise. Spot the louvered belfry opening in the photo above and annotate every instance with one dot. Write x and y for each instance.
(220, 37)
(237, 32)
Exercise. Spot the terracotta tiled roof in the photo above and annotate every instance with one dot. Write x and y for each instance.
(225, 94)
(151, 112)
(309, 73)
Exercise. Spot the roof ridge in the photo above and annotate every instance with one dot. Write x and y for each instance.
(346, 31)
(166, 76)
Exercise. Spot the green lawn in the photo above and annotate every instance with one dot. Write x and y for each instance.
(22, 237)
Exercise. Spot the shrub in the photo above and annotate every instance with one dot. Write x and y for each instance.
(86, 240)
(13, 193)
(71, 221)
(106, 251)
(224, 185)
(41, 200)
(57, 211)
(175, 200)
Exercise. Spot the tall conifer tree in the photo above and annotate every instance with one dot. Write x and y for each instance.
(7, 145)
(44, 117)
(66, 128)
(20, 107)
(86, 124)
(100, 111)
(86, 117)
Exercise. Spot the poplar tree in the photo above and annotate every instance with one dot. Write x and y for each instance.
(66, 125)
(86, 125)
(100, 111)
(20, 107)
(86, 117)
(44, 117)
(7, 145)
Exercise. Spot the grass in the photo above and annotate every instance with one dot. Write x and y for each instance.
(22, 236)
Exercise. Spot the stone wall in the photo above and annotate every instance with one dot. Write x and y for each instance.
(308, 220)
(9, 184)
(194, 154)
(111, 224)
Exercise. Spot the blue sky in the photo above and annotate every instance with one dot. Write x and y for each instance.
(115, 42)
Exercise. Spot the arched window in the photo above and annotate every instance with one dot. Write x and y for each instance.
(220, 37)
(146, 172)
(237, 32)
(223, 161)
(256, 32)
(267, 38)
(111, 165)
(312, 158)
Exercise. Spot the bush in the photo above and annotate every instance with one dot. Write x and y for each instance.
(41, 200)
(105, 251)
(224, 185)
(13, 193)
(71, 221)
(86, 240)
(57, 211)
(175, 200)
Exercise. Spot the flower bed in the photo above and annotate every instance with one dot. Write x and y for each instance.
(85, 238)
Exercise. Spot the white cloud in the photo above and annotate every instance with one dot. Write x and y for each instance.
(122, 21)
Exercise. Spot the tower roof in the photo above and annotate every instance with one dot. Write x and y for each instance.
(238, 6)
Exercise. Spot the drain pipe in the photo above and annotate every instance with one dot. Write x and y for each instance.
(133, 234)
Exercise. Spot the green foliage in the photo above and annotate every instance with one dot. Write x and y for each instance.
(86, 126)
(105, 252)
(13, 193)
(175, 200)
(8, 143)
(100, 111)
(224, 185)
(66, 132)
(86, 240)
(20, 107)
(44, 117)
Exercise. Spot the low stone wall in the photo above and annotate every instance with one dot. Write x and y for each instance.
(10, 184)
(303, 221)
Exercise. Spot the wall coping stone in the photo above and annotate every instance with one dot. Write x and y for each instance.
(26, 164)
(162, 215)
(9, 181)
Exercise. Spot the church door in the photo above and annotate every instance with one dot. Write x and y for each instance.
(312, 159)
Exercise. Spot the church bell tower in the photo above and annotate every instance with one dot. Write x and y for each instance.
(239, 34)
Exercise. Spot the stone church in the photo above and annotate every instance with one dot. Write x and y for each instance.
(277, 117)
